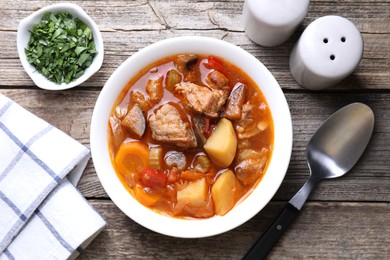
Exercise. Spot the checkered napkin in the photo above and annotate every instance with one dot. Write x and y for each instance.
(42, 214)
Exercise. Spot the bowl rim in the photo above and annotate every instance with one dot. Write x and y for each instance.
(260, 196)
(23, 36)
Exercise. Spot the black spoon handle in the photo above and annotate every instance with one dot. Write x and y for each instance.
(265, 243)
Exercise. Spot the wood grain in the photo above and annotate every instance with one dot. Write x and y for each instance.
(323, 230)
(128, 26)
(346, 218)
(308, 112)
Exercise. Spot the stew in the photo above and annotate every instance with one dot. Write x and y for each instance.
(190, 136)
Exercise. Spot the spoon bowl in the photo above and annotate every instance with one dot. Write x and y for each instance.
(332, 151)
(336, 147)
(340, 141)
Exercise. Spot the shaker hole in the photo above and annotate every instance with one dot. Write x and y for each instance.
(343, 39)
(332, 57)
(325, 40)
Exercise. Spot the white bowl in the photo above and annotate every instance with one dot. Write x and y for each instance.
(242, 212)
(23, 36)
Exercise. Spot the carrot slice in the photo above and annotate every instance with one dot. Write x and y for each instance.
(145, 198)
(132, 157)
(191, 175)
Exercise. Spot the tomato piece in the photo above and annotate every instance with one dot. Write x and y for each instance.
(154, 178)
(214, 63)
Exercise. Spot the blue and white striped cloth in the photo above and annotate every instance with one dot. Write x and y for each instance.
(42, 214)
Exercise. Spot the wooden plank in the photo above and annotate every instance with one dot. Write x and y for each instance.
(131, 25)
(322, 231)
(71, 112)
(369, 16)
(345, 218)
(372, 72)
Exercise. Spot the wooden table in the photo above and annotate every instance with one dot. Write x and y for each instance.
(345, 218)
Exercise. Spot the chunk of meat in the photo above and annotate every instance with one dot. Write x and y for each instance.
(120, 112)
(117, 130)
(202, 99)
(245, 119)
(247, 113)
(217, 80)
(155, 89)
(234, 103)
(251, 165)
(134, 121)
(139, 98)
(247, 127)
(167, 126)
(248, 171)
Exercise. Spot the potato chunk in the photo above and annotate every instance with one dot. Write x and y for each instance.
(223, 192)
(194, 195)
(222, 143)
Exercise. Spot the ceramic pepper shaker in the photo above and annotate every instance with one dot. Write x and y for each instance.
(272, 22)
(329, 50)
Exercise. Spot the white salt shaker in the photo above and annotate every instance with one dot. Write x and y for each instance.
(329, 50)
(272, 22)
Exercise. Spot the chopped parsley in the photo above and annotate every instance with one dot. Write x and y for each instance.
(61, 47)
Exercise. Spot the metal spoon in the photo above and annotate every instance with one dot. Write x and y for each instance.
(332, 151)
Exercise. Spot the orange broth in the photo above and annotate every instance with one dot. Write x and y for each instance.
(163, 198)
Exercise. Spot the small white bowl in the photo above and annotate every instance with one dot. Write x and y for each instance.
(23, 36)
(265, 190)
